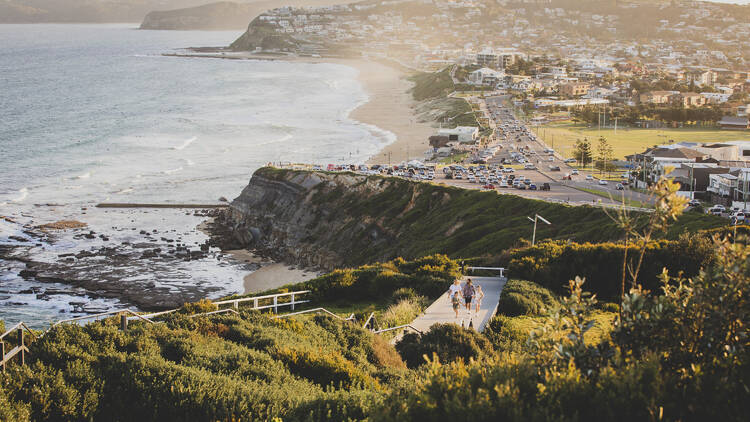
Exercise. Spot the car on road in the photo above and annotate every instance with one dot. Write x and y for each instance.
(589, 177)
(545, 186)
(574, 172)
(716, 210)
(554, 168)
(551, 159)
(569, 160)
(619, 186)
(694, 203)
(529, 166)
(602, 182)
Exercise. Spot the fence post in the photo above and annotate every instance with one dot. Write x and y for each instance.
(292, 301)
(3, 344)
(276, 304)
(236, 305)
(23, 359)
(255, 303)
(123, 322)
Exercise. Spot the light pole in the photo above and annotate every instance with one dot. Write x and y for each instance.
(534, 220)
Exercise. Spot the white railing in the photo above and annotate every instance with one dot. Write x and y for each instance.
(275, 305)
(396, 328)
(499, 269)
(324, 310)
(20, 349)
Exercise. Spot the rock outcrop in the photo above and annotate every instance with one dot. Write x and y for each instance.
(295, 217)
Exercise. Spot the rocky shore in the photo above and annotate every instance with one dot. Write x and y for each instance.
(142, 271)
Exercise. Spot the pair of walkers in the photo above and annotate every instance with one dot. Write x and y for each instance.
(468, 295)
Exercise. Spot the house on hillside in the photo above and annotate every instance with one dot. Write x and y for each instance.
(575, 89)
(658, 97)
(486, 76)
(690, 99)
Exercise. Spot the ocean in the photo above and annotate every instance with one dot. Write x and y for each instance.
(96, 113)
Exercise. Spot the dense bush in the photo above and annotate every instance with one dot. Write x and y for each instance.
(223, 367)
(448, 342)
(428, 276)
(552, 264)
(683, 355)
(522, 297)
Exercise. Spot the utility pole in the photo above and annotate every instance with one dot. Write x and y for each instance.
(534, 220)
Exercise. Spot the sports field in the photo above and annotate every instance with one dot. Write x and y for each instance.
(562, 136)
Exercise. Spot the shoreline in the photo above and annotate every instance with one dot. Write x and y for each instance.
(390, 107)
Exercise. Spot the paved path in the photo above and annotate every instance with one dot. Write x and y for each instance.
(442, 310)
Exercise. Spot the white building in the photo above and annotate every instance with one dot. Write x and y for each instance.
(486, 76)
(462, 134)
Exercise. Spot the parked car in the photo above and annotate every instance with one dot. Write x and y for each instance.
(489, 186)
(545, 186)
(694, 203)
(532, 187)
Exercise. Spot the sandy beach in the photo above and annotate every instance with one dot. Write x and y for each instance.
(271, 274)
(391, 108)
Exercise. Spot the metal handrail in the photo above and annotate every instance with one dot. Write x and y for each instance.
(396, 328)
(372, 315)
(220, 311)
(351, 317)
(488, 269)
(246, 299)
(100, 315)
(16, 327)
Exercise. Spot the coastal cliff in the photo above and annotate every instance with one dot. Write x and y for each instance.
(220, 15)
(330, 220)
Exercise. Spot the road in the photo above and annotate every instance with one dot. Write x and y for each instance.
(560, 190)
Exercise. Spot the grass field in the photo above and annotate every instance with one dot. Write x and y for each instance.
(563, 136)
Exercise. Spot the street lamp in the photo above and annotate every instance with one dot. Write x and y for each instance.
(534, 220)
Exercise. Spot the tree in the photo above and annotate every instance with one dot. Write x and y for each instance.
(582, 152)
(604, 155)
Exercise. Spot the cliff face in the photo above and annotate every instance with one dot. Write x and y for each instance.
(296, 217)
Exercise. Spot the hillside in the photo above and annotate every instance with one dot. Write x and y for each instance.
(329, 220)
(223, 15)
(79, 11)
(220, 15)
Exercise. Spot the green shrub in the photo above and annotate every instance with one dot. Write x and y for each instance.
(521, 297)
(200, 307)
(403, 293)
(552, 264)
(509, 334)
(402, 312)
(448, 342)
(428, 276)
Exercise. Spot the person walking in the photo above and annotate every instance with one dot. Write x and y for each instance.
(478, 295)
(454, 295)
(468, 292)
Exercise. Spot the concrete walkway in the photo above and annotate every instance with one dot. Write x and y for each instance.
(442, 309)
